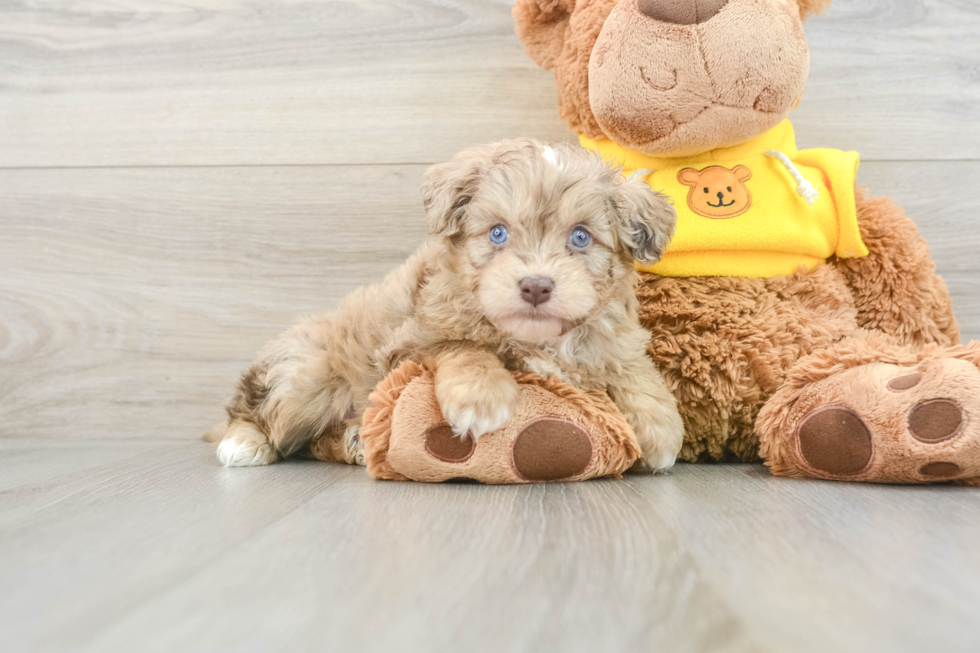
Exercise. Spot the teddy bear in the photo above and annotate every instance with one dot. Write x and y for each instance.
(795, 317)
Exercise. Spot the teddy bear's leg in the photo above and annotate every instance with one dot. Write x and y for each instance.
(724, 346)
(872, 409)
(896, 288)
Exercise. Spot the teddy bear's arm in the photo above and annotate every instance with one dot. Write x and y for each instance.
(896, 288)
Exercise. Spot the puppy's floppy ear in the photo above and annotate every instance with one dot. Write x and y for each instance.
(446, 190)
(646, 220)
(810, 7)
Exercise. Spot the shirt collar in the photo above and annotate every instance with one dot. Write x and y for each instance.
(782, 137)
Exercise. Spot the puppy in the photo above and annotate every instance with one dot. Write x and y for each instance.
(531, 267)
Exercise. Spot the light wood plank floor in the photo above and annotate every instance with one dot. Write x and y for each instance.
(180, 180)
(149, 545)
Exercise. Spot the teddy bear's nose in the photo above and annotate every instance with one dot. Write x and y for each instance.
(680, 12)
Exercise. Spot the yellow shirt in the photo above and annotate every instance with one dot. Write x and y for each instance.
(739, 213)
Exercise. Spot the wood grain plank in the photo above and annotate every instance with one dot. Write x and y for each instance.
(206, 82)
(83, 549)
(939, 198)
(894, 79)
(160, 549)
(859, 567)
(130, 300)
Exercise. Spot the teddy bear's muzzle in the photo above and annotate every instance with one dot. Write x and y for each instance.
(681, 12)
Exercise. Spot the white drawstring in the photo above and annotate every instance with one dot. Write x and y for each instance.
(640, 174)
(806, 189)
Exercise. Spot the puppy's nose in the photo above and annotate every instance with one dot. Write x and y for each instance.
(536, 290)
(681, 12)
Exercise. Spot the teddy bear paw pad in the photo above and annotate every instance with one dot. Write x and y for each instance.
(936, 420)
(442, 443)
(905, 382)
(550, 449)
(833, 439)
(940, 470)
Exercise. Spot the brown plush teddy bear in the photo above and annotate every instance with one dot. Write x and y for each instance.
(793, 316)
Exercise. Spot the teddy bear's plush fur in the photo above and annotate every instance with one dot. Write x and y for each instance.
(804, 361)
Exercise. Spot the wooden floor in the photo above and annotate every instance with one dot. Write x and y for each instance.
(150, 546)
(179, 181)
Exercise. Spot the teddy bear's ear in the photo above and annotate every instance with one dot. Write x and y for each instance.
(811, 7)
(647, 220)
(541, 26)
(560, 36)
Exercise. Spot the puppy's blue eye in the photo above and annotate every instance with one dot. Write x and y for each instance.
(498, 235)
(581, 238)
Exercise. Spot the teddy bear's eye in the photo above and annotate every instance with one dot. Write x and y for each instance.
(729, 189)
(706, 190)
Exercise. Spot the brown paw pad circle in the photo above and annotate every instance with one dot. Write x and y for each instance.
(940, 470)
(936, 420)
(549, 449)
(903, 383)
(442, 443)
(833, 439)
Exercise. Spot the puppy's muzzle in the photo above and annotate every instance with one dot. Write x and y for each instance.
(536, 290)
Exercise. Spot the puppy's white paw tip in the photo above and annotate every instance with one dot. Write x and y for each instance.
(245, 447)
(666, 462)
(466, 423)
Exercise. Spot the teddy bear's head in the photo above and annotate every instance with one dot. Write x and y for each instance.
(671, 77)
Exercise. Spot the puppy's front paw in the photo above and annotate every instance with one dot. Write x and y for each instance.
(477, 404)
(661, 441)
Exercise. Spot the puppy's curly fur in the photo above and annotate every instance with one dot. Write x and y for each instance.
(530, 267)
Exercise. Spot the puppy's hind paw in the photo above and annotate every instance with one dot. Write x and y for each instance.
(245, 446)
(354, 446)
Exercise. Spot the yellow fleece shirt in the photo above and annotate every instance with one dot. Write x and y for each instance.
(739, 213)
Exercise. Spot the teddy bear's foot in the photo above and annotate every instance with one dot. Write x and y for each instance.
(881, 422)
(543, 449)
(557, 433)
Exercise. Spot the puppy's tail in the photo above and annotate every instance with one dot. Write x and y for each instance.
(216, 432)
